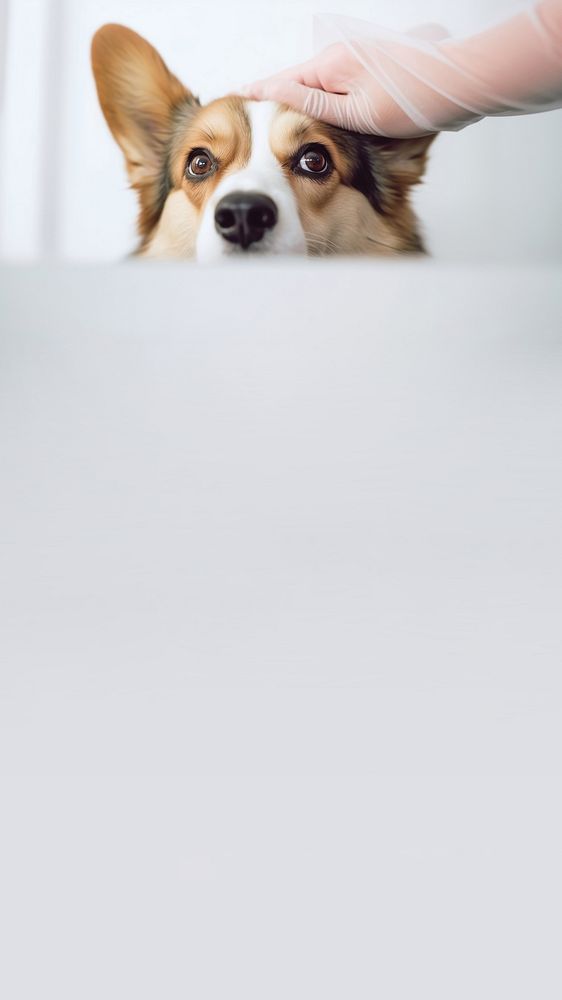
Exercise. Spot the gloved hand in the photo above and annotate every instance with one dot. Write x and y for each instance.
(380, 82)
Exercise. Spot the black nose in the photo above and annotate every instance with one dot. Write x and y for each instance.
(244, 217)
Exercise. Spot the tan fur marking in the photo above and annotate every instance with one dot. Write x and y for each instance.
(223, 128)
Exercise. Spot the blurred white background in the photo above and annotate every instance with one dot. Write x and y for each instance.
(492, 192)
(280, 635)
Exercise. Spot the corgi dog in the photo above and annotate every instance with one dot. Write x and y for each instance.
(237, 178)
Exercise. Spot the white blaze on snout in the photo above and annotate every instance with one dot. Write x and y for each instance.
(264, 175)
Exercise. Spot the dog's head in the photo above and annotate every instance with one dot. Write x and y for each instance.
(238, 177)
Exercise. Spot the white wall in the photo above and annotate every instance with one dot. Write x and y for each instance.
(492, 191)
(22, 145)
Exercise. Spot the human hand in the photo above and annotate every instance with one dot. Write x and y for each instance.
(336, 88)
(403, 85)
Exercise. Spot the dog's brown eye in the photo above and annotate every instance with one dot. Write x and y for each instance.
(200, 164)
(315, 161)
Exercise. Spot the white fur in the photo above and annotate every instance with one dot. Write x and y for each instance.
(265, 175)
(175, 234)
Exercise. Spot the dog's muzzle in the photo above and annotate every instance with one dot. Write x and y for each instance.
(244, 217)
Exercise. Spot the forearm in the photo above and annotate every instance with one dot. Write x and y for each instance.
(516, 65)
(512, 68)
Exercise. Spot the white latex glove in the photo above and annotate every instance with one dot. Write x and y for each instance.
(376, 81)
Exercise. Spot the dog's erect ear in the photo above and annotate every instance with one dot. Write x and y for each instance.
(140, 98)
(398, 164)
(384, 169)
(405, 159)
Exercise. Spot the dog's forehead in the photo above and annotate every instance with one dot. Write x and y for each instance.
(259, 123)
(276, 123)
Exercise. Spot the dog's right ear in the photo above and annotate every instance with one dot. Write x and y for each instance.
(139, 97)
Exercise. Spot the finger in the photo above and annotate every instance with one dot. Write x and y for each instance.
(280, 89)
(314, 102)
(305, 74)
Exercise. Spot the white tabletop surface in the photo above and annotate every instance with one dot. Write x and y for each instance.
(281, 632)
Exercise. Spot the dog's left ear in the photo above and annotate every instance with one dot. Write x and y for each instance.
(404, 160)
(139, 98)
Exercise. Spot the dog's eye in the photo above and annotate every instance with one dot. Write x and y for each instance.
(315, 160)
(200, 164)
